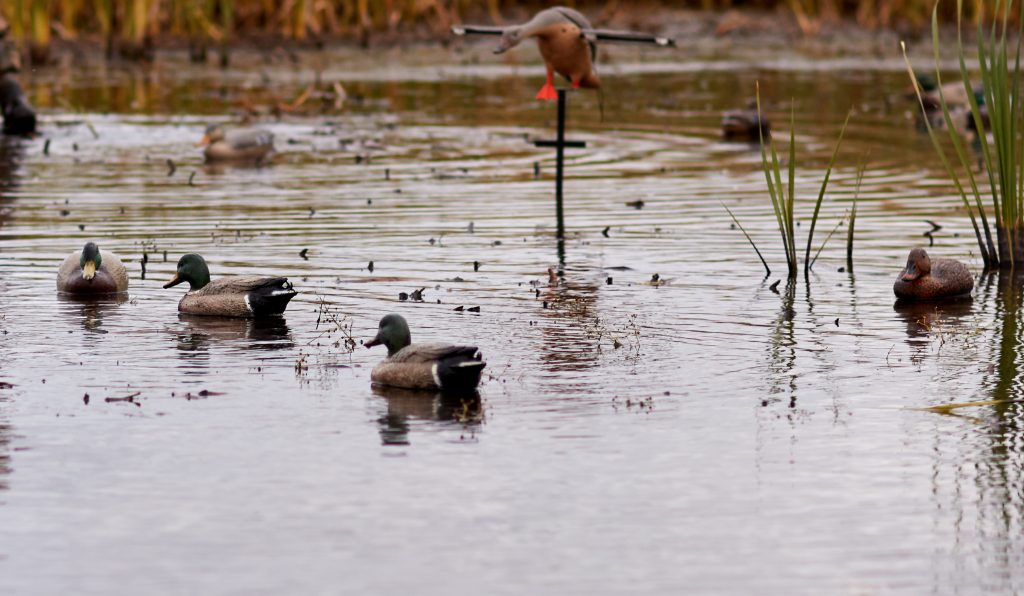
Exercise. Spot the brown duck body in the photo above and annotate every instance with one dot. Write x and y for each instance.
(566, 51)
(431, 366)
(948, 278)
(240, 296)
(110, 278)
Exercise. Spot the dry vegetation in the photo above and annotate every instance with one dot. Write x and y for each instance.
(136, 23)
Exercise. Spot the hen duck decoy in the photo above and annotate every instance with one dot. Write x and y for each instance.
(745, 125)
(567, 42)
(19, 117)
(925, 278)
(244, 144)
(249, 296)
(92, 271)
(428, 366)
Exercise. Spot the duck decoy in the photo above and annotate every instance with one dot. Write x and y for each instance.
(244, 144)
(92, 271)
(954, 93)
(19, 117)
(745, 125)
(427, 366)
(567, 42)
(249, 296)
(925, 278)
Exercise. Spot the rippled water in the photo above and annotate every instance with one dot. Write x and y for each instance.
(705, 434)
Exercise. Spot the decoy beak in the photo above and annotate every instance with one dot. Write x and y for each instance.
(89, 270)
(203, 141)
(910, 273)
(174, 281)
(376, 341)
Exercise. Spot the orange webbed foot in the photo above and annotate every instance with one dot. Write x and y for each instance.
(547, 92)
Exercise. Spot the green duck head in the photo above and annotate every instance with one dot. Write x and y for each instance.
(191, 268)
(918, 264)
(214, 133)
(90, 260)
(393, 332)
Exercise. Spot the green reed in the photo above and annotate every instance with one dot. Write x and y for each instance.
(783, 195)
(1003, 155)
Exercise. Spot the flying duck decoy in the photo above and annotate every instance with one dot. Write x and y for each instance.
(567, 42)
(426, 366)
(249, 296)
(92, 271)
(244, 144)
(925, 278)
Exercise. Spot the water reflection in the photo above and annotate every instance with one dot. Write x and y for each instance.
(89, 311)
(782, 348)
(571, 328)
(5, 443)
(404, 406)
(198, 335)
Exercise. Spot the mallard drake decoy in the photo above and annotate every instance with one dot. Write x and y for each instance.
(244, 144)
(925, 278)
(19, 117)
(237, 296)
(92, 271)
(954, 93)
(745, 125)
(431, 366)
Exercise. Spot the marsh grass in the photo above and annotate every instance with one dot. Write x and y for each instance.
(1002, 154)
(783, 194)
(134, 21)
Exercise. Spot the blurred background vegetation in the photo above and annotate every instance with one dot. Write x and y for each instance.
(132, 27)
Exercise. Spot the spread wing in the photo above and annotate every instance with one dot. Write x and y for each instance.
(434, 352)
(243, 284)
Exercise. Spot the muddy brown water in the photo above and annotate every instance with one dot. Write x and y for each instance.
(705, 435)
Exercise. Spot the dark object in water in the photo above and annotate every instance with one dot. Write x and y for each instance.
(925, 278)
(775, 286)
(604, 232)
(745, 125)
(303, 253)
(637, 204)
(19, 117)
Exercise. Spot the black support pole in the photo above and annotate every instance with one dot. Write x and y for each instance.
(560, 164)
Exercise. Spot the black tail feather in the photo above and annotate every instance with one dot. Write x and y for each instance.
(460, 370)
(272, 298)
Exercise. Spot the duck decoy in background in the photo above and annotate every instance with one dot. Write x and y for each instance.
(92, 271)
(745, 125)
(567, 42)
(19, 117)
(430, 366)
(925, 278)
(957, 101)
(241, 145)
(238, 296)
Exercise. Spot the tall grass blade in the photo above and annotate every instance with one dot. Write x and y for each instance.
(767, 270)
(942, 154)
(821, 196)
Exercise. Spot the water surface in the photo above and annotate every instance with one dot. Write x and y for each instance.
(703, 434)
